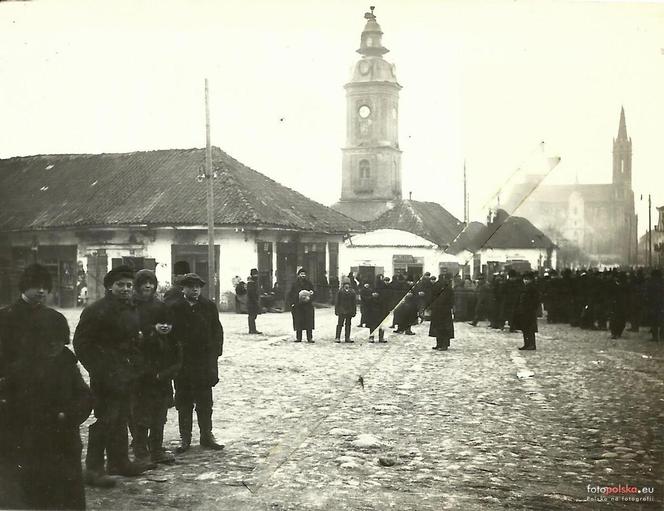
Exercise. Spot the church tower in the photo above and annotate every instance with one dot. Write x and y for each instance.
(371, 165)
(622, 155)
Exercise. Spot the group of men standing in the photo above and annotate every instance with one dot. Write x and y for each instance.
(133, 346)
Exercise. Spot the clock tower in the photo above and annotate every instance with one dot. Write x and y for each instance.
(371, 166)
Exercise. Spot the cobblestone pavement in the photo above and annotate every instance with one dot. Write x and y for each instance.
(482, 426)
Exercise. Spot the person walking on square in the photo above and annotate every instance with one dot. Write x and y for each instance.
(527, 305)
(43, 401)
(106, 341)
(302, 307)
(375, 312)
(442, 322)
(253, 301)
(160, 357)
(365, 293)
(345, 309)
(197, 327)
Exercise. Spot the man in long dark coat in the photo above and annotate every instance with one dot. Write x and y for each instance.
(525, 315)
(656, 304)
(253, 301)
(442, 323)
(43, 401)
(300, 300)
(106, 342)
(196, 326)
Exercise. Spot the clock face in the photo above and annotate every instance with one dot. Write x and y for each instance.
(364, 111)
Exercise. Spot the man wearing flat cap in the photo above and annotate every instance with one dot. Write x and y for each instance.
(43, 401)
(106, 342)
(197, 328)
(300, 299)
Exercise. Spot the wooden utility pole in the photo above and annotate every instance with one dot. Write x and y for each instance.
(466, 210)
(212, 273)
(649, 231)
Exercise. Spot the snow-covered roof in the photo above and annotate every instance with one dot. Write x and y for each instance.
(389, 238)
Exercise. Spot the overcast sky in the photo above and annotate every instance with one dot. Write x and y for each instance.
(483, 81)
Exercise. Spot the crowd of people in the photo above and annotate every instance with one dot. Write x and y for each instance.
(145, 354)
(135, 348)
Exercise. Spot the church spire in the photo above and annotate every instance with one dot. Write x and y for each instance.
(622, 128)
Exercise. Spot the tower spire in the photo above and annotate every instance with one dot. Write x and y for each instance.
(371, 44)
(622, 127)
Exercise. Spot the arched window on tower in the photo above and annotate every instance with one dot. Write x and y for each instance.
(365, 181)
(365, 169)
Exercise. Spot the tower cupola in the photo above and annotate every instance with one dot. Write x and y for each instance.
(371, 44)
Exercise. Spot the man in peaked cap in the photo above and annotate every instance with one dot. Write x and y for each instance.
(197, 328)
(106, 342)
(43, 401)
(525, 312)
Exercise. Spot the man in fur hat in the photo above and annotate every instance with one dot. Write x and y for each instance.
(43, 401)
(300, 299)
(106, 342)
(196, 326)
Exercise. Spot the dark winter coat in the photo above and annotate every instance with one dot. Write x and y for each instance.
(198, 330)
(442, 323)
(374, 311)
(159, 355)
(527, 307)
(405, 315)
(45, 401)
(303, 312)
(346, 303)
(253, 298)
(106, 342)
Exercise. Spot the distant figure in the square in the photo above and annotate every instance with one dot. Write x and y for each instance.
(525, 313)
(301, 305)
(442, 323)
(345, 309)
(196, 326)
(253, 301)
(43, 401)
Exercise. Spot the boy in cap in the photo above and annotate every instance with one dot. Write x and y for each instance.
(160, 356)
(43, 401)
(345, 308)
(302, 307)
(196, 326)
(106, 342)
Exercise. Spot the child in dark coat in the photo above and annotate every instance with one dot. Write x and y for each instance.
(345, 308)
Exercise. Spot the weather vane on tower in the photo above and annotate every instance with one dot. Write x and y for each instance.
(370, 15)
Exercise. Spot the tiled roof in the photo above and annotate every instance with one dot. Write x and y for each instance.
(151, 188)
(428, 220)
(509, 232)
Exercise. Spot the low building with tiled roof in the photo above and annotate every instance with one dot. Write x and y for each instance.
(87, 212)
(505, 241)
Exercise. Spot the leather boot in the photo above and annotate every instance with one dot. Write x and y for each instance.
(185, 420)
(157, 452)
(205, 426)
(337, 336)
(139, 443)
(381, 335)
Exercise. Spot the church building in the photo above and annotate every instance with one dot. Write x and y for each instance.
(599, 219)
